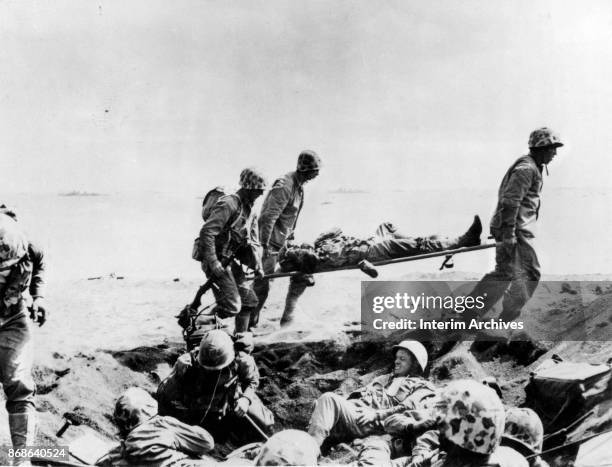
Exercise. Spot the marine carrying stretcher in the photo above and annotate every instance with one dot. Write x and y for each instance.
(189, 315)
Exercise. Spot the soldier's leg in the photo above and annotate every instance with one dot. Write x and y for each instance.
(261, 287)
(248, 300)
(395, 244)
(260, 414)
(335, 416)
(435, 243)
(525, 282)
(226, 294)
(297, 287)
(493, 285)
(16, 380)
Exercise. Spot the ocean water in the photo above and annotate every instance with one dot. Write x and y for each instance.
(150, 235)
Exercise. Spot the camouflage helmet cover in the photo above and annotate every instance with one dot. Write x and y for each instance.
(13, 242)
(252, 179)
(307, 161)
(471, 416)
(289, 447)
(133, 407)
(523, 426)
(543, 137)
(216, 350)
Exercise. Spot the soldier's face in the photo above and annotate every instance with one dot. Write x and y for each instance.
(545, 155)
(310, 175)
(403, 363)
(549, 154)
(254, 194)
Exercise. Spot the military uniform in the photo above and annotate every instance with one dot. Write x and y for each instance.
(227, 229)
(151, 439)
(517, 270)
(333, 249)
(164, 442)
(15, 336)
(335, 416)
(516, 273)
(279, 214)
(198, 396)
(37, 281)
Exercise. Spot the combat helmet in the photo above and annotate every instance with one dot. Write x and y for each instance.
(308, 160)
(543, 137)
(471, 416)
(216, 350)
(523, 431)
(416, 349)
(252, 179)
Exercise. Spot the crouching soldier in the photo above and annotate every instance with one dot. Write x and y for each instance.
(226, 234)
(150, 439)
(470, 423)
(363, 413)
(214, 387)
(15, 339)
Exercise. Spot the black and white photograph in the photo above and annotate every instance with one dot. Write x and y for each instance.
(306, 232)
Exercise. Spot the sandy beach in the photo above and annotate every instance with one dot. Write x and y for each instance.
(108, 334)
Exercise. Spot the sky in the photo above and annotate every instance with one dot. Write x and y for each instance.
(116, 96)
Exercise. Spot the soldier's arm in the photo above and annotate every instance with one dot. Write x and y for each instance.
(37, 283)
(16, 283)
(191, 439)
(254, 245)
(219, 217)
(426, 445)
(170, 392)
(248, 375)
(518, 184)
(416, 402)
(277, 200)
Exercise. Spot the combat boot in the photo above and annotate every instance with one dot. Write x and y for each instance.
(472, 236)
(23, 433)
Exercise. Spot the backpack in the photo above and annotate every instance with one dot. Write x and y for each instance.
(210, 200)
(560, 392)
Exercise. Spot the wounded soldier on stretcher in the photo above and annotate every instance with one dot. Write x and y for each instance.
(333, 249)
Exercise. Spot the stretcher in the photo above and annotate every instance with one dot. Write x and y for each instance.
(447, 263)
(188, 316)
